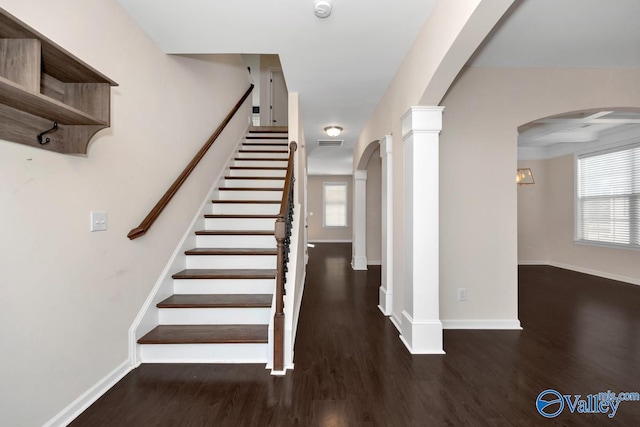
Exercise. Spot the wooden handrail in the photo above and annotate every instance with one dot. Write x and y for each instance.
(282, 233)
(164, 201)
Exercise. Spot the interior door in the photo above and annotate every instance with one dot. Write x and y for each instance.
(279, 99)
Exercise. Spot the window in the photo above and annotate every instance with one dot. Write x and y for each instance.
(608, 197)
(335, 204)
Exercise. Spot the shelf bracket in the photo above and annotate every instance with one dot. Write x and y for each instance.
(48, 140)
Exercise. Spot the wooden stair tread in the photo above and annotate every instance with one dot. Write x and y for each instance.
(241, 216)
(264, 151)
(281, 168)
(268, 144)
(206, 334)
(253, 189)
(217, 301)
(259, 202)
(202, 273)
(234, 232)
(261, 159)
(266, 137)
(255, 177)
(231, 251)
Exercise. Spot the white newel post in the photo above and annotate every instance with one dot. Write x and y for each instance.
(386, 284)
(421, 325)
(359, 245)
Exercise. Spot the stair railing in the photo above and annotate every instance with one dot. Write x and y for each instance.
(146, 223)
(283, 227)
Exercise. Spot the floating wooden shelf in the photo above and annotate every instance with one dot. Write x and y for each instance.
(41, 83)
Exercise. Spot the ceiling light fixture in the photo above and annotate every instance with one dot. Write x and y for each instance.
(333, 131)
(322, 9)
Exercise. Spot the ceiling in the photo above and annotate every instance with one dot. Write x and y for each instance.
(342, 65)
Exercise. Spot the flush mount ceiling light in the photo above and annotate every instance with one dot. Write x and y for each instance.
(322, 9)
(333, 131)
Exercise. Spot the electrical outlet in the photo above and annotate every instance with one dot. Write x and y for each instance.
(98, 221)
(462, 294)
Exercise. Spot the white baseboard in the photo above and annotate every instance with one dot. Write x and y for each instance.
(78, 406)
(330, 241)
(589, 271)
(396, 322)
(497, 324)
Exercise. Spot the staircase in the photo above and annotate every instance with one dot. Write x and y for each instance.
(222, 302)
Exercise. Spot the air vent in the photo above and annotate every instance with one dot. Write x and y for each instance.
(330, 142)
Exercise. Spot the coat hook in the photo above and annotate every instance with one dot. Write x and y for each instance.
(48, 140)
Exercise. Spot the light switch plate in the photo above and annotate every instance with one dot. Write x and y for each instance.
(98, 221)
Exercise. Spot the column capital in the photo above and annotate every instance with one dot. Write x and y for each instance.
(386, 146)
(360, 175)
(421, 119)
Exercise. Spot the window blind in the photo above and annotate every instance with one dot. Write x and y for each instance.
(335, 204)
(608, 199)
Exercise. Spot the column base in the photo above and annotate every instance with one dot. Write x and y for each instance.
(421, 336)
(359, 263)
(386, 301)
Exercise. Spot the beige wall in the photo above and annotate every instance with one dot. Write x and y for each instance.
(317, 232)
(74, 294)
(546, 225)
(449, 37)
(374, 207)
(478, 195)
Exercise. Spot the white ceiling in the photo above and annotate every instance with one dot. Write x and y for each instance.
(342, 65)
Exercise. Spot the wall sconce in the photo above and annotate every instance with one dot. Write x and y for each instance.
(524, 176)
(333, 131)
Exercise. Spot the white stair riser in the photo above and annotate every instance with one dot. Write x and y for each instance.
(272, 155)
(268, 137)
(223, 286)
(263, 146)
(240, 224)
(215, 316)
(258, 172)
(249, 195)
(246, 208)
(253, 183)
(261, 163)
(235, 241)
(231, 261)
(204, 353)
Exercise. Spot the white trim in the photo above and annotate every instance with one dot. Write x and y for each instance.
(86, 399)
(527, 262)
(331, 241)
(597, 273)
(499, 324)
(396, 322)
(421, 336)
(376, 262)
(359, 263)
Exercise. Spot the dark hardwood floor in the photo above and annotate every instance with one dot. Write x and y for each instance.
(581, 336)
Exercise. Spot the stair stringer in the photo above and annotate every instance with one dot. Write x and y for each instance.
(148, 316)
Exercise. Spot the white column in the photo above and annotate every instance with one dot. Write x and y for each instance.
(359, 226)
(386, 285)
(421, 325)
